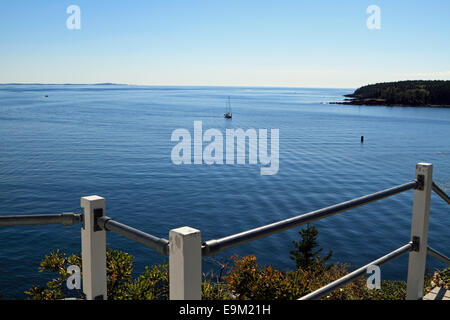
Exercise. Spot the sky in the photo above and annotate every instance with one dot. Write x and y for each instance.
(282, 43)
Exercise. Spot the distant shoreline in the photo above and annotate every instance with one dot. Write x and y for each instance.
(364, 103)
(413, 93)
(63, 84)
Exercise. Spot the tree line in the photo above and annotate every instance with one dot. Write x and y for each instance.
(412, 92)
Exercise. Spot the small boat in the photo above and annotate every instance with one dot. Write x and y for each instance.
(228, 114)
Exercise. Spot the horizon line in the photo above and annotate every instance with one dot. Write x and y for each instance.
(203, 86)
(171, 85)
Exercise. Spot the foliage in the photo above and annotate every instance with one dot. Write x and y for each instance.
(243, 280)
(414, 93)
(246, 280)
(152, 284)
(304, 254)
(214, 289)
(390, 290)
(55, 262)
(119, 267)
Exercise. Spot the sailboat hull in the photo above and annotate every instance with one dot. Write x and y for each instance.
(228, 114)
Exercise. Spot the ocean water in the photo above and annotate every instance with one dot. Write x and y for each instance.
(115, 141)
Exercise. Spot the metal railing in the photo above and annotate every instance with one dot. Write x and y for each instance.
(65, 219)
(441, 193)
(160, 245)
(185, 248)
(212, 247)
(358, 272)
(438, 255)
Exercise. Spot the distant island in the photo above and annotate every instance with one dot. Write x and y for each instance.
(411, 93)
(62, 84)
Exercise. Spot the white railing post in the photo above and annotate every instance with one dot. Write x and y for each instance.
(419, 231)
(93, 249)
(185, 264)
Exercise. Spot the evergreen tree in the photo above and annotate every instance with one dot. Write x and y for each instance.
(305, 255)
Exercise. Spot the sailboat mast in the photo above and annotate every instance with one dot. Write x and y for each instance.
(228, 109)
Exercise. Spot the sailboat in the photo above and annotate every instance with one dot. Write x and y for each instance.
(228, 114)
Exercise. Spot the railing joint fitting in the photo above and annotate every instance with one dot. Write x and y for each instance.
(98, 213)
(420, 182)
(101, 222)
(415, 244)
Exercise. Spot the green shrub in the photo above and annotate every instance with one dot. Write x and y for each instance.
(153, 284)
(244, 279)
(214, 289)
(55, 262)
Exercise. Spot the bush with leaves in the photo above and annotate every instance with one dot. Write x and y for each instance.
(152, 284)
(56, 262)
(214, 289)
(244, 279)
(247, 280)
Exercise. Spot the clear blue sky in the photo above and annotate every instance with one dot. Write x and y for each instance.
(323, 43)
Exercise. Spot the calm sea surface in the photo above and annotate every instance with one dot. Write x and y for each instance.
(114, 141)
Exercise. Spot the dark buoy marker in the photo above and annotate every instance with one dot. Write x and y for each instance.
(362, 139)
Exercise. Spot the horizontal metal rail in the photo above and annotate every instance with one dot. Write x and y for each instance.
(159, 244)
(212, 247)
(438, 255)
(357, 273)
(65, 219)
(441, 193)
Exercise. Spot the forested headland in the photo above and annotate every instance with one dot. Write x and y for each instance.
(421, 93)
